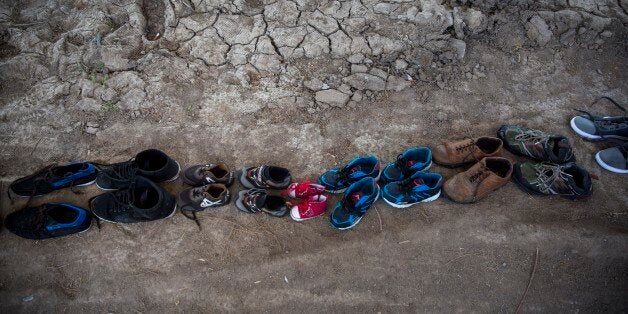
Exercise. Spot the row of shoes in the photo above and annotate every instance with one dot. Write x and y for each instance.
(134, 195)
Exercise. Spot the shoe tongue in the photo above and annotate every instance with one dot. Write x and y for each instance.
(354, 169)
(143, 199)
(410, 163)
(417, 181)
(260, 201)
(355, 197)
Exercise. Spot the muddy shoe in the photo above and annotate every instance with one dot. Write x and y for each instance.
(536, 144)
(54, 178)
(206, 174)
(258, 200)
(568, 180)
(458, 153)
(142, 201)
(614, 159)
(265, 177)
(48, 221)
(480, 180)
(152, 164)
(200, 198)
(409, 162)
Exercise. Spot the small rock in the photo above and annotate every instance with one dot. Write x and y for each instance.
(135, 114)
(401, 64)
(538, 31)
(606, 34)
(313, 84)
(441, 116)
(359, 68)
(332, 97)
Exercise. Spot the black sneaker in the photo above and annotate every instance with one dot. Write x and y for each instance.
(142, 201)
(201, 198)
(206, 174)
(152, 164)
(48, 221)
(255, 200)
(265, 177)
(54, 178)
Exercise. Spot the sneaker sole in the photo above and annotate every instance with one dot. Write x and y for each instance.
(607, 166)
(303, 219)
(593, 137)
(174, 210)
(429, 199)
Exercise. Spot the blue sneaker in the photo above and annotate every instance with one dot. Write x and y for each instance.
(48, 221)
(54, 178)
(420, 187)
(336, 180)
(412, 160)
(354, 205)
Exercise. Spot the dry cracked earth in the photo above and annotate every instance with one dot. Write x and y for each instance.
(309, 85)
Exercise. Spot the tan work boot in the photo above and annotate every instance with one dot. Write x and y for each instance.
(452, 154)
(480, 180)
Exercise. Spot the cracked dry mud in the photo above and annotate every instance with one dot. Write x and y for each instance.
(308, 85)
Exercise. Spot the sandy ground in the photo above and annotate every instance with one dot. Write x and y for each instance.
(435, 257)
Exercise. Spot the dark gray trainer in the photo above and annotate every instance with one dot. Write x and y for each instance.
(614, 159)
(599, 128)
(265, 177)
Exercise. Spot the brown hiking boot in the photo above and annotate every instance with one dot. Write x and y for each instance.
(480, 180)
(452, 154)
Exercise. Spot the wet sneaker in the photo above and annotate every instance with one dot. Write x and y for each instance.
(568, 180)
(409, 162)
(206, 174)
(309, 208)
(419, 188)
(599, 128)
(614, 159)
(357, 200)
(141, 201)
(152, 164)
(536, 144)
(48, 221)
(303, 190)
(54, 178)
(480, 180)
(336, 180)
(256, 200)
(200, 198)
(459, 153)
(265, 177)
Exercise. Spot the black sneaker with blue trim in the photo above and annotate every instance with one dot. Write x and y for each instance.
(412, 160)
(336, 180)
(357, 199)
(53, 177)
(419, 188)
(48, 221)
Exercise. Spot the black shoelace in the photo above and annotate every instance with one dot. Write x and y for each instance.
(121, 172)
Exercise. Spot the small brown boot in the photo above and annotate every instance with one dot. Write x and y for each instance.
(480, 180)
(453, 154)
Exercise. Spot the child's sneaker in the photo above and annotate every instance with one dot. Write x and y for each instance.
(199, 175)
(256, 200)
(336, 180)
(420, 187)
(309, 208)
(265, 177)
(303, 190)
(358, 198)
(411, 161)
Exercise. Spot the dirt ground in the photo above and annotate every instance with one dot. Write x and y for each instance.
(308, 85)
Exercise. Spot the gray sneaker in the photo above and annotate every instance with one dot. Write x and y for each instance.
(614, 159)
(601, 128)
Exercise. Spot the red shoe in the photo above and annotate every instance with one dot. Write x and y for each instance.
(303, 190)
(309, 208)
